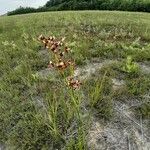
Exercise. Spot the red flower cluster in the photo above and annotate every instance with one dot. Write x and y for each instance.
(61, 65)
(75, 84)
(59, 48)
(54, 45)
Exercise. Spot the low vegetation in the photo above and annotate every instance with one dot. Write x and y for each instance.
(41, 108)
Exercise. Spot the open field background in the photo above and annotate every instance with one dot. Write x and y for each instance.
(112, 108)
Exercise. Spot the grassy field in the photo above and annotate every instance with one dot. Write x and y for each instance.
(38, 111)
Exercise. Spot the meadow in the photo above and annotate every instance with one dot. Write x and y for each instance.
(111, 50)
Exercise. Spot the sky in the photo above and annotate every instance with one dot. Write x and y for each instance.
(9, 5)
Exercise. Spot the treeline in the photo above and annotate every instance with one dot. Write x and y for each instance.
(125, 5)
(26, 10)
(57, 5)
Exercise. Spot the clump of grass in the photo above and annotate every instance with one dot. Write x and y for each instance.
(136, 82)
(126, 68)
(139, 85)
(28, 130)
(108, 69)
(99, 91)
(143, 110)
(129, 66)
(137, 49)
(79, 143)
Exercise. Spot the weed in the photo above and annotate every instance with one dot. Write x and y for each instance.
(129, 66)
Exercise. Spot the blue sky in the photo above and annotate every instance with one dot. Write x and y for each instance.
(8, 5)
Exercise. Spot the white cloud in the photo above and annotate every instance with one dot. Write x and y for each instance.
(9, 5)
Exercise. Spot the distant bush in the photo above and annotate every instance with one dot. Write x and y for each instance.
(55, 5)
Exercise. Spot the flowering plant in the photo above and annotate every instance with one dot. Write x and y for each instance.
(61, 59)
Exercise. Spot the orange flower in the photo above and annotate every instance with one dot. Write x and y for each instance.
(51, 65)
(67, 49)
(70, 63)
(53, 48)
(61, 65)
(61, 54)
(60, 43)
(75, 84)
